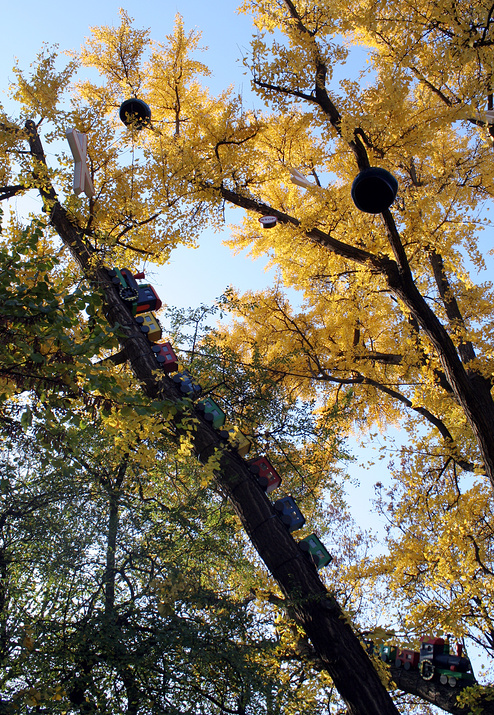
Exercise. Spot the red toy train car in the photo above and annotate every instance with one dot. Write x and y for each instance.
(165, 355)
(267, 476)
(408, 659)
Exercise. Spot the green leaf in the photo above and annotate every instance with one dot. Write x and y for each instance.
(27, 418)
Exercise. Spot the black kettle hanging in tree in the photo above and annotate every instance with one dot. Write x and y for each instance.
(374, 190)
(135, 113)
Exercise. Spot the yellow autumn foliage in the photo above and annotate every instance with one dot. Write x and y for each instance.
(386, 312)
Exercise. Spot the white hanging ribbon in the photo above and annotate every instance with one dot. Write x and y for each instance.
(78, 146)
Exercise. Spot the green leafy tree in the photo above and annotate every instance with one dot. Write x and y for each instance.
(123, 591)
(126, 585)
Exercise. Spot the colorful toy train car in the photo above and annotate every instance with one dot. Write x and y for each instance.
(165, 356)
(266, 474)
(408, 659)
(437, 661)
(317, 552)
(187, 384)
(237, 439)
(289, 513)
(141, 297)
(212, 412)
(149, 325)
(388, 653)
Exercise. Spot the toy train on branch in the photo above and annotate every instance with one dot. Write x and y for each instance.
(142, 299)
(434, 660)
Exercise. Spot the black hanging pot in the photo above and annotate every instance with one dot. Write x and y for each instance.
(374, 190)
(135, 113)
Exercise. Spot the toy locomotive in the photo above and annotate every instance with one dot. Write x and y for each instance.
(433, 660)
(142, 299)
(141, 296)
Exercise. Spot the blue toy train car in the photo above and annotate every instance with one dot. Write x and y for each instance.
(187, 384)
(289, 513)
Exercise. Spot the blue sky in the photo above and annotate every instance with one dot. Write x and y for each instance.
(193, 276)
(27, 25)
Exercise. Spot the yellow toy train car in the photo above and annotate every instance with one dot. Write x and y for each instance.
(236, 439)
(149, 325)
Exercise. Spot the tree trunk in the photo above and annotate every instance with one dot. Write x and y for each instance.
(316, 611)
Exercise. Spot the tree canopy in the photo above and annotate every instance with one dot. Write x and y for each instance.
(395, 327)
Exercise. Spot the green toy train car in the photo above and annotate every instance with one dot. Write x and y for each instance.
(212, 412)
(317, 552)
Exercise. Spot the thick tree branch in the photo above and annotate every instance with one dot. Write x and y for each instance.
(408, 681)
(450, 303)
(442, 696)
(72, 235)
(7, 192)
(473, 395)
(345, 250)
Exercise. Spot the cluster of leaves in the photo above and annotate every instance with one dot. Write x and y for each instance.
(46, 348)
(125, 584)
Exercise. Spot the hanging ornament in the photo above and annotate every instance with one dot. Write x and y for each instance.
(299, 179)
(82, 178)
(135, 113)
(374, 190)
(268, 221)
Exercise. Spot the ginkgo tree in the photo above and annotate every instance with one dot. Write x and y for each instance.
(391, 318)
